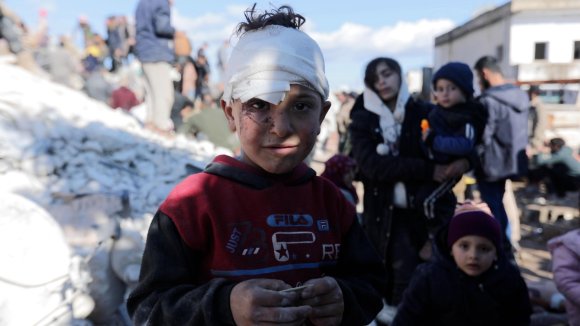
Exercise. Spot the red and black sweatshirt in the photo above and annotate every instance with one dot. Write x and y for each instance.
(233, 222)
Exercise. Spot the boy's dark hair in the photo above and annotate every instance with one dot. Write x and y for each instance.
(371, 70)
(487, 62)
(283, 16)
(557, 142)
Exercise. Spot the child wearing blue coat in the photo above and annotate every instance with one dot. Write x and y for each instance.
(453, 128)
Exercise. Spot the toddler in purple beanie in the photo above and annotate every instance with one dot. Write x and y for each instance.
(468, 280)
(474, 239)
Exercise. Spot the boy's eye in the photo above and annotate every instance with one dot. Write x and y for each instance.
(257, 104)
(301, 106)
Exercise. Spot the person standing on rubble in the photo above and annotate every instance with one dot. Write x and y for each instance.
(154, 33)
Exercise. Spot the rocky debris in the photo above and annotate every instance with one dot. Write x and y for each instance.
(34, 282)
(81, 183)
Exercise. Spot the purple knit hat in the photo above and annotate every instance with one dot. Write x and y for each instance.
(474, 222)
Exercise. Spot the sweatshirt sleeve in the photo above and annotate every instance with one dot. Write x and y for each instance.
(361, 277)
(549, 159)
(167, 293)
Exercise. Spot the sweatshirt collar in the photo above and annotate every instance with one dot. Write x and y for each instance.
(233, 169)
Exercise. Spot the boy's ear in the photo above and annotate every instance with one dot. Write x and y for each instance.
(229, 115)
(325, 107)
(486, 73)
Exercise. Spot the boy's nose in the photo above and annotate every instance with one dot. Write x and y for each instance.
(281, 124)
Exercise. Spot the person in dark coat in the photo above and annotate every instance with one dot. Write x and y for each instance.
(386, 144)
(469, 281)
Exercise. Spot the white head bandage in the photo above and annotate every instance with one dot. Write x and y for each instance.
(266, 61)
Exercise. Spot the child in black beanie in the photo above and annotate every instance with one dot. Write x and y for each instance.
(453, 129)
(469, 281)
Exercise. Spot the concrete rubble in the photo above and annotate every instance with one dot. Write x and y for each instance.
(79, 184)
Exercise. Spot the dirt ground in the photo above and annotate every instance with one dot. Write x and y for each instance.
(533, 257)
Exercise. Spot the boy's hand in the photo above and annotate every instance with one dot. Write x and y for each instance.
(325, 297)
(450, 171)
(456, 169)
(439, 173)
(260, 302)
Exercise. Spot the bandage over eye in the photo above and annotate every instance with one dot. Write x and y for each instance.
(265, 62)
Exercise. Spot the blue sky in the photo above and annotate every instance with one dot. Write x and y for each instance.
(350, 33)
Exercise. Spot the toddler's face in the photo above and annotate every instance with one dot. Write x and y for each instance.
(276, 138)
(473, 254)
(447, 94)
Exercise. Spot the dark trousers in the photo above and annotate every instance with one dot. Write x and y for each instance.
(492, 193)
(557, 178)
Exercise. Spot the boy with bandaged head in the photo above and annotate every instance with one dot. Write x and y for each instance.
(260, 238)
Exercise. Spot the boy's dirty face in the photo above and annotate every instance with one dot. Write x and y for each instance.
(473, 254)
(447, 94)
(276, 138)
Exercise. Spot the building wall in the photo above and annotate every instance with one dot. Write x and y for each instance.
(559, 29)
(518, 26)
(470, 47)
(518, 5)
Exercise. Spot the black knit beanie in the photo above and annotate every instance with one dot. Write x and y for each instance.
(459, 73)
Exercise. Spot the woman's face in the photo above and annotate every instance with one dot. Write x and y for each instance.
(388, 82)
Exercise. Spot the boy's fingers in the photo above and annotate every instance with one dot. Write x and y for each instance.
(319, 286)
(282, 315)
(334, 297)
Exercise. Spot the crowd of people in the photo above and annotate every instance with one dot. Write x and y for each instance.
(140, 61)
(259, 238)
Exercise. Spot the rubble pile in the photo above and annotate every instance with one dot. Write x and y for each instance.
(99, 176)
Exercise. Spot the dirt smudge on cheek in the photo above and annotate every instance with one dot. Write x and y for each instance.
(258, 117)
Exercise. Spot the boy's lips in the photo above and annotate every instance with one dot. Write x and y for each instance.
(282, 149)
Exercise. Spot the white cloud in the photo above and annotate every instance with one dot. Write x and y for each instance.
(404, 38)
(346, 49)
(210, 27)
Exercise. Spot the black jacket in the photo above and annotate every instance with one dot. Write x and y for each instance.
(441, 294)
(379, 173)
